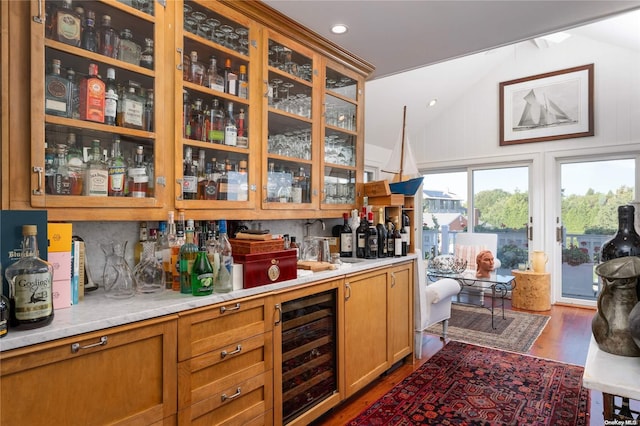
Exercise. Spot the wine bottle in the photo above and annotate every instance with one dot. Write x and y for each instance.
(371, 247)
(188, 254)
(397, 239)
(403, 240)
(361, 237)
(30, 285)
(202, 271)
(346, 238)
(382, 235)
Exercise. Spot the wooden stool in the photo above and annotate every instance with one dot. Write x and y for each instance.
(532, 291)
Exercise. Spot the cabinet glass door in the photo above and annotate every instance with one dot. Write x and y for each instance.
(215, 132)
(97, 87)
(290, 175)
(341, 121)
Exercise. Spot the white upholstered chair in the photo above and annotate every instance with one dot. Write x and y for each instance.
(432, 303)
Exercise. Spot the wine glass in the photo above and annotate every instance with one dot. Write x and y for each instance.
(213, 23)
(226, 29)
(199, 18)
(244, 40)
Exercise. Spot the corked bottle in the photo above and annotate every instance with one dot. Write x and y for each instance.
(626, 242)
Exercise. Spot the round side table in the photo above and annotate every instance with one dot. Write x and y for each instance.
(532, 290)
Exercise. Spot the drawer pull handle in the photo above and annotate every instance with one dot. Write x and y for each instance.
(237, 351)
(224, 309)
(224, 396)
(76, 346)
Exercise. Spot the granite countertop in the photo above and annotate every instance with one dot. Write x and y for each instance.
(97, 312)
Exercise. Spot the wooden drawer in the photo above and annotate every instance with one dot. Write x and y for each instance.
(210, 373)
(207, 329)
(123, 374)
(241, 404)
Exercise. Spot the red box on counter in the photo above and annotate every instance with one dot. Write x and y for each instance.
(267, 268)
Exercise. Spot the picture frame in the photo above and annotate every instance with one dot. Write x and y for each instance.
(545, 107)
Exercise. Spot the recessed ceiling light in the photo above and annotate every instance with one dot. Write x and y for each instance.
(432, 102)
(339, 29)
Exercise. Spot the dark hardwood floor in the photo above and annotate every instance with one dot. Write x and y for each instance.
(565, 338)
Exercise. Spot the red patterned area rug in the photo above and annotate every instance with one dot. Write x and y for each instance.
(464, 384)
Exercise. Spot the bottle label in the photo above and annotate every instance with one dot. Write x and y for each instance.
(204, 282)
(230, 136)
(132, 112)
(189, 184)
(296, 194)
(346, 242)
(361, 240)
(32, 294)
(68, 28)
(398, 246)
(216, 136)
(116, 180)
(110, 104)
(373, 243)
(98, 182)
(92, 100)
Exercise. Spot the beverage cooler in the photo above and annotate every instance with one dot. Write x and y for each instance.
(309, 352)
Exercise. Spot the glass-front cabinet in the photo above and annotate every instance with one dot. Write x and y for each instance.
(341, 156)
(96, 86)
(216, 134)
(290, 165)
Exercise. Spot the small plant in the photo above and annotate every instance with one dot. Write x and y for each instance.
(511, 255)
(574, 255)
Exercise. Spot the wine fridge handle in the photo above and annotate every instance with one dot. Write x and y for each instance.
(279, 314)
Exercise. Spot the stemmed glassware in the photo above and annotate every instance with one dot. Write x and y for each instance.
(244, 41)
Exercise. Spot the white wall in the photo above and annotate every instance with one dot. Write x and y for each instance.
(466, 128)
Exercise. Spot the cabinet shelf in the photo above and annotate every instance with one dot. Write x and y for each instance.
(306, 318)
(306, 348)
(214, 93)
(193, 42)
(308, 366)
(289, 159)
(92, 128)
(216, 146)
(303, 387)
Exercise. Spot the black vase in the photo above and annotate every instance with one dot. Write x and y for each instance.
(626, 242)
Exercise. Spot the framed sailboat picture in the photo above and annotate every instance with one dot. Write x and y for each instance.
(544, 107)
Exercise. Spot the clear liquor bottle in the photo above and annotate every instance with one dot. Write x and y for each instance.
(110, 98)
(188, 254)
(138, 182)
(67, 25)
(169, 244)
(189, 178)
(75, 93)
(223, 282)
(117, 171)
(61, 181)
(133, 107)
(75, 165)
(128, 50)
(223, 184)
(57, 96)
(197, 125)
(148, 111)
(242, 138)
(143, 236)
(230, 127)
(107, 38)
(30, 285)
(215, 125)
(214, 80)
(90, 35)
(243, 83)
(146, 56)
(97, 175)
(196, 69)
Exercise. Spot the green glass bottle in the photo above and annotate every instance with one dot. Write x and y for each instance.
(202, 272)
(188, 254)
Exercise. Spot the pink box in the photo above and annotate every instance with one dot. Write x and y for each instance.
(61, 294)
(61, 262)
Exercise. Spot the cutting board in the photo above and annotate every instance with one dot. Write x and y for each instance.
(315, 266)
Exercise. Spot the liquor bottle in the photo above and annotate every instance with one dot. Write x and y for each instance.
(202, 272)
(214, 80)
(233, 183)
(133, 107)
(223, 185)
(382, 235)
(404, 238)
(222, 282)
(371, 245)
(97, 176)
(209, 188)
(75, 165)
(346, 237)
(188, 253)
(170, 251)
(242, 139)
(110, 98)
(4, 310)
(107, 38)
(215, 125)
(60, 182)
(296, 190)
(128, 50)
(186, 115)
(138, 181)
(406, 224)
(397, 240)
(57, 96)
(361, 237)
(304, 185)
(243, 83)
(90, 35)
(92, 90)
(75, 94)
(146, 56)
(142, 239)
(230, 78)
(147, 119)
(161, 241)
(197, 70)
(294, 245)
(67, 25)
(202, 174)
(230, 128)
(30, 285)
(243, 185)
(189, 178)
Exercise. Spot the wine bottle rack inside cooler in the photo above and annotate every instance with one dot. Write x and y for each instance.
(308, 352)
